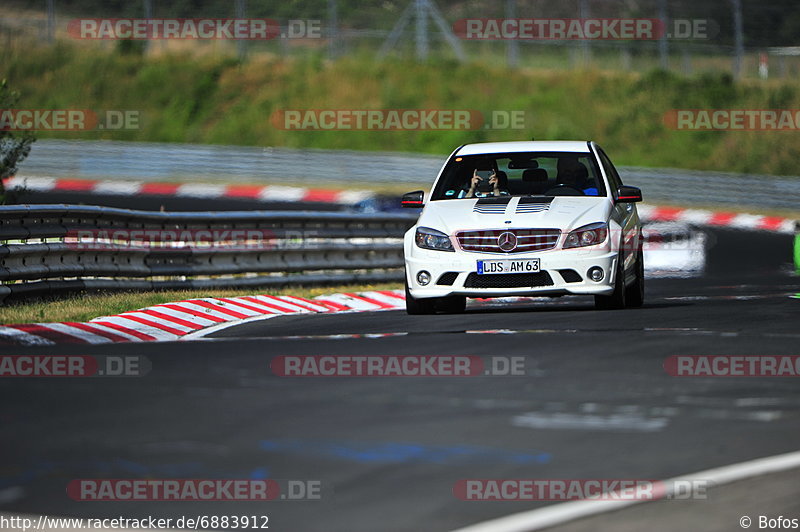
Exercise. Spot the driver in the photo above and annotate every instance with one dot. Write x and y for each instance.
(573, 173)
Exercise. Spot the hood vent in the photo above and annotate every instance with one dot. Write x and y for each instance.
(491, 205)
(533, 205)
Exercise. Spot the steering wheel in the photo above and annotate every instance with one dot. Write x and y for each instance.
(564, 189)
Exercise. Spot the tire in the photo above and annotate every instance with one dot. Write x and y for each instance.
(634, 294)
(451, 304)
(416, 307)
(616, 300)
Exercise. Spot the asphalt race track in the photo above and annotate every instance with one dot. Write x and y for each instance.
(596, 403)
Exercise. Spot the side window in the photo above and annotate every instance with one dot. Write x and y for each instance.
(611, 172)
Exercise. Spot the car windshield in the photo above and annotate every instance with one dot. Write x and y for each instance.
(521, 174)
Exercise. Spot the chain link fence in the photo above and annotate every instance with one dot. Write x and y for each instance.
(753, 45)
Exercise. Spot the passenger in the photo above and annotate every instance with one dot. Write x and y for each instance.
(495, 180)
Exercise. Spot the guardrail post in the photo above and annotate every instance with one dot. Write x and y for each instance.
(797, 247)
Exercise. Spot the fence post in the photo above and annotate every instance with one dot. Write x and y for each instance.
(241, 50)
(148, 14)
(512, 44)
(738, 39)
(422, 30)
(51, 20)
(583, 13)
(333, 29)
(663, 45)
(797, 247)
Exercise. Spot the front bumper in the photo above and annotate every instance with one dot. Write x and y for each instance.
(554, 281)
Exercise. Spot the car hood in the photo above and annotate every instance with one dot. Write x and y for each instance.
(561, 212)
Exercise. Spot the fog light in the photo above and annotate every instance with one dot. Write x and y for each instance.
(596, 274)
(423, 278)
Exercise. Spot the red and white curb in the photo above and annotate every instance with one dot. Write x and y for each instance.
(650, 213)
(733, 220)
(190, 190)
(193, 318)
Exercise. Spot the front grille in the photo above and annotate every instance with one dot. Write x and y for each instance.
(447, 279)
(570, 276)
(527, 240)
(508, 280)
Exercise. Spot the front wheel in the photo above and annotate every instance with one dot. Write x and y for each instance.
(415, 307)
(446, 305)
(634, 295)
(451, 304)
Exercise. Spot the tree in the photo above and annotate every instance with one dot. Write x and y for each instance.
(14, 146)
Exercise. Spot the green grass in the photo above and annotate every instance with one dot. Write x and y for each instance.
(221, 101)
(84, 307)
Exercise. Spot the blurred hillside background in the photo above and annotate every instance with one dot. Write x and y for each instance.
(616, 92)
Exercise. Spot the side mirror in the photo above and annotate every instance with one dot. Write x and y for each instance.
(413, 199)
(628, 194)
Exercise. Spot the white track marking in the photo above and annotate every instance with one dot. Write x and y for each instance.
(278, 193)
(559, 514)
(201, 191)
(221, 326)
(353, 196)
(35, 183)
(697, 217)
(118, 187)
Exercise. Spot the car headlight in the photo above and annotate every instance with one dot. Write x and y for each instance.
(588, 235)
(428, 238)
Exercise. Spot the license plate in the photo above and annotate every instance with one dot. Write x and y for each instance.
(507, 266)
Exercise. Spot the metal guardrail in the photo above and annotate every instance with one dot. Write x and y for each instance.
(197, 163)
(47, 248)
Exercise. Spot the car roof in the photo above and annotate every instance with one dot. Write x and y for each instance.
(578, 146)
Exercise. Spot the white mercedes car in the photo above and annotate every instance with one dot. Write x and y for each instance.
(538, 218)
